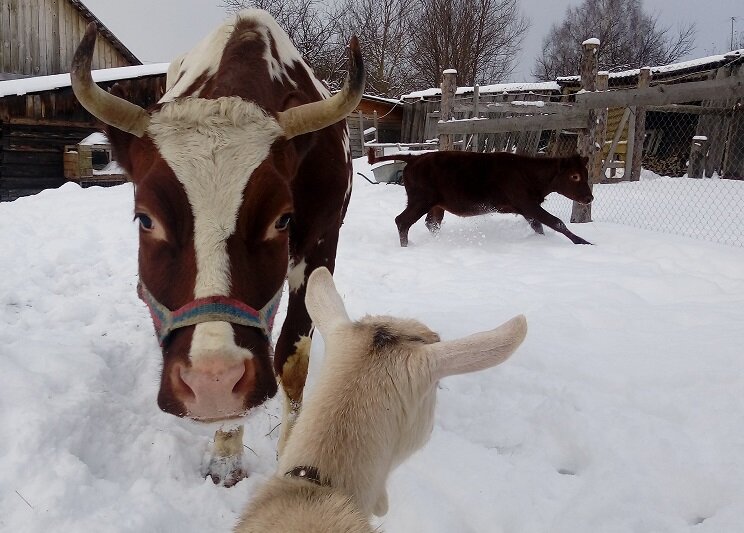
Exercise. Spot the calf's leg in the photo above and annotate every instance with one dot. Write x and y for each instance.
(536, 225)
(539, 214)
(408, 218)
(434, 219)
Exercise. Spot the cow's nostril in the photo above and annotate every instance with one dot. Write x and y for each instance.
(180, 387)
(247, 380)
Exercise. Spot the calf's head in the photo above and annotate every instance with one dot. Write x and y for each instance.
(212, 198)
(572, 179)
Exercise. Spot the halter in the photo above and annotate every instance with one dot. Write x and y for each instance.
(209, 309)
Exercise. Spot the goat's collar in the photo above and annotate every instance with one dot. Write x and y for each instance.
(307, 473)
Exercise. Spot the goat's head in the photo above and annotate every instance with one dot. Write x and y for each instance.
(392, 365)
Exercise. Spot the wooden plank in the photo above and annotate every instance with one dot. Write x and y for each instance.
(4, 35)
(15, 63)
(585, 145)
(664, 94)
(644, 79)
(42, 36)
(615, 141)
(63, 21)
(522, 123)
(689, 109)
(56, 64)
(475, 141)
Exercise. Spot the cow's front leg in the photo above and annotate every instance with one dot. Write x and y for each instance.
(225, 465)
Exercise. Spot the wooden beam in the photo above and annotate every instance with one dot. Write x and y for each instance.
(615, 141)
(446, 109)
(585, 145)
(722, 89)
(644, 80)
(521, 123)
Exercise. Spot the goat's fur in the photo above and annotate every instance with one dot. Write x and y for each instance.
(372, 407)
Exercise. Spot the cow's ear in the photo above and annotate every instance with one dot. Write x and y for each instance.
(121, 142)
(584, 160)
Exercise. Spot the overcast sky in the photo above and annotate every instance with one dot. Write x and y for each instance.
(158, 30)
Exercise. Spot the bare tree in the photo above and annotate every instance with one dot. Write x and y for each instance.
(382, 27)
(314, 28)
(629, 38)
(478, 38)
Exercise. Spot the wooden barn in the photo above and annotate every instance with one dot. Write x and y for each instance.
(381, 118)
(39, 114)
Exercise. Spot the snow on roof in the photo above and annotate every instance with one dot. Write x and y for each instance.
(94, 139)
(489, 89)
(46, 83)
(593, 40)
(683, 65)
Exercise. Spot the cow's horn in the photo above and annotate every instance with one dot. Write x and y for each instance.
(317, 115)
(106, 107)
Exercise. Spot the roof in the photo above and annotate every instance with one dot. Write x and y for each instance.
(626, 77)
(103, 30)
(662, 72)
(57, 81)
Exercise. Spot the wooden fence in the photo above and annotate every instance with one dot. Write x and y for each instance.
(712, 141)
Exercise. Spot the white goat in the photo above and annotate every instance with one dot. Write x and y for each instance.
(372, 407)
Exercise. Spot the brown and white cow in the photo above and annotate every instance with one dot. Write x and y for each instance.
(242, 176)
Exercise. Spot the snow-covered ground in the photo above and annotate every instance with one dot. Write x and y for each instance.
(623, 411)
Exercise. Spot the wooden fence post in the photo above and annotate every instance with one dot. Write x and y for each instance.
(586, 141)
(635, 143)
(377, 126)
(447, 107)
(475, 141)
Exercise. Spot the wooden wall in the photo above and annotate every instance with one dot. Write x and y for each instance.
(34, 129)
(39, 37)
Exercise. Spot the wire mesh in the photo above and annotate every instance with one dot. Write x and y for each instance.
(692, 177)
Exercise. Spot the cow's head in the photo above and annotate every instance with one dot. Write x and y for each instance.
(572, 180)
(214, 207)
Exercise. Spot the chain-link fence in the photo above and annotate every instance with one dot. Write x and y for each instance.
(692, 177)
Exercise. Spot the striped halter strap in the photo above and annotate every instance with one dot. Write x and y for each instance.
(209, 309)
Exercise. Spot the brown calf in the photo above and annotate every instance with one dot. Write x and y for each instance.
(468, 184)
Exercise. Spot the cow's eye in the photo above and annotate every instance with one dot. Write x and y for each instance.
(283, 221)
(574, 177)
(144, 220)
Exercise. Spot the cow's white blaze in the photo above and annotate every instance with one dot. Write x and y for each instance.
(213, 147)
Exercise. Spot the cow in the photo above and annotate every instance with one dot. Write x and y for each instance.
(242, 177)
(470, 183)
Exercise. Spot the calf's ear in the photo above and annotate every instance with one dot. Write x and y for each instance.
(323, 302)
(478, 351)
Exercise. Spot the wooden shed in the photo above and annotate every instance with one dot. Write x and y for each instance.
(39, 114)
(381, 117)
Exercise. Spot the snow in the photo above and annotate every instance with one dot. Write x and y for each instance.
(593, 41)
(622, 411)
(56, 81)
(498, 88)
(95, 138)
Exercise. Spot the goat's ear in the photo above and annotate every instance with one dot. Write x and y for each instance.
(324, 303)
(478, 351)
